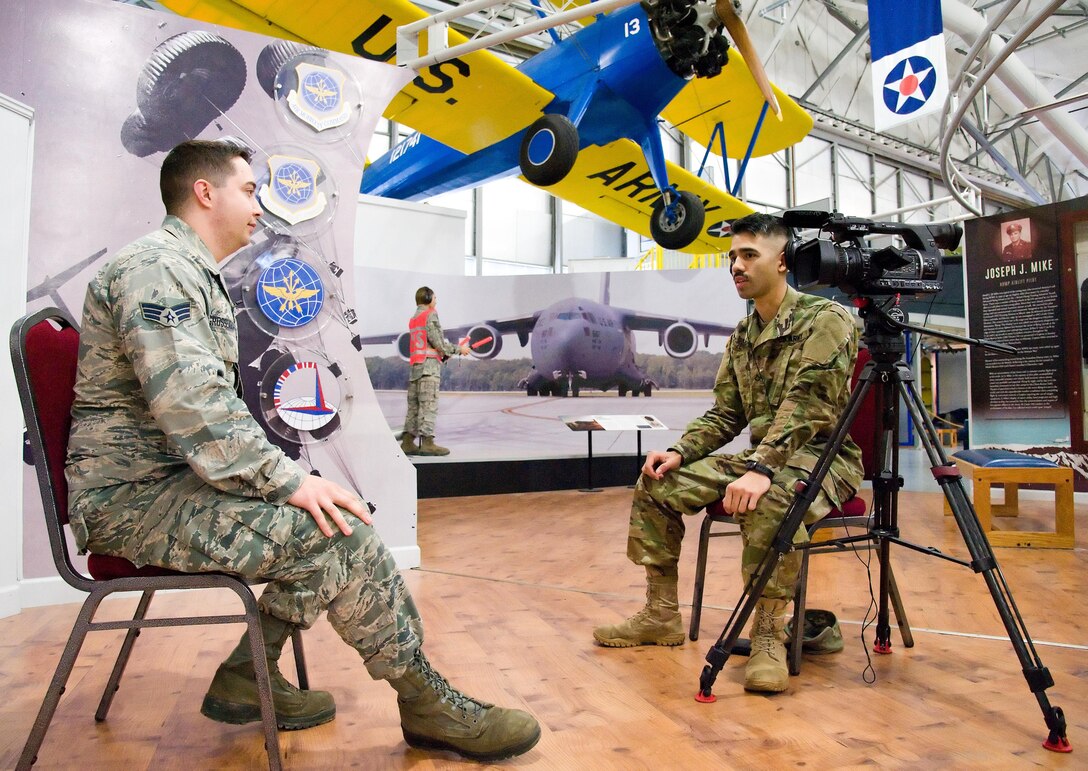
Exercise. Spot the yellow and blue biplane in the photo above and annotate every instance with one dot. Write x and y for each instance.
(580, 118)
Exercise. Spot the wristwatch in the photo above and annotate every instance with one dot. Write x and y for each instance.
(759, 468)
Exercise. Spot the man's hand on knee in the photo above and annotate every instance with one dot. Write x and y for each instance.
(742, 495)
(658, 463)
(324, 498)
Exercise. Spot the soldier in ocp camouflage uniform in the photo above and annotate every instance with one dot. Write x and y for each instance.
(428, 348)
(785, 375)
(167, 467)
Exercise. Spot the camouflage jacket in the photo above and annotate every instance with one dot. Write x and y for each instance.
(789, 383)
(436, 338)
(157, 385)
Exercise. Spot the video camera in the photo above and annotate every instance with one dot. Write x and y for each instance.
(844, 261)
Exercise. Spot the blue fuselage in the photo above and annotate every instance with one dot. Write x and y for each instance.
(608, 78)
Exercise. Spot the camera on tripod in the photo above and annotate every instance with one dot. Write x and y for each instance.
(844, 261)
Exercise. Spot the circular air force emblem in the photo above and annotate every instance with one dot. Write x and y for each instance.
(290, 293)
(291, 192)
(319, 99)
(306, 396)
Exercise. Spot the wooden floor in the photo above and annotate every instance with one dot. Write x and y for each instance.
(510, 589)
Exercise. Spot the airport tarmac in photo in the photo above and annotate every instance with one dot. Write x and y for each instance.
(509, 425)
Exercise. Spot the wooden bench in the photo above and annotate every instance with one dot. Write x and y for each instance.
(1012, 469)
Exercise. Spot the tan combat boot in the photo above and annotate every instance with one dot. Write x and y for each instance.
(766, 670)
(428, 447)
(436, 716)
(408, 444)
(658, 623)
(233, 697)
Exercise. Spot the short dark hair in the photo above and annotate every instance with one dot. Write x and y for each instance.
(193, 160)
(759, 224)
(424, 295)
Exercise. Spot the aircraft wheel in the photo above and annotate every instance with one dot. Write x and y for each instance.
(530, 391)
(686, 226)
(575, 391)
(623, 390)
(648, 390)
(548, 150)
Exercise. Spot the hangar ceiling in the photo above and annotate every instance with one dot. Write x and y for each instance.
(1023, 137)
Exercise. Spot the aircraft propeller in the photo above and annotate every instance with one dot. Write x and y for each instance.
(726, 11)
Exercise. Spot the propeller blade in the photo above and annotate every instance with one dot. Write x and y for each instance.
(727, 13)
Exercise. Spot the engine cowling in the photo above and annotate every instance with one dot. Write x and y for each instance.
(404, 346)
(680, 340)
(484, 341)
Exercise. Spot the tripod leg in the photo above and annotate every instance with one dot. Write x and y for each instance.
(984, 561)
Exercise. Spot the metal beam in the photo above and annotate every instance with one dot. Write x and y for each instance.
(1001, 160)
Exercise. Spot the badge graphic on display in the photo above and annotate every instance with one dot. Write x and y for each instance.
(306, 396)
(722, 229)
(319, 99)
(909, 85)
(291, 191)
(290, 293)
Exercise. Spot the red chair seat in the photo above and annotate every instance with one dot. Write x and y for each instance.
(103, 567)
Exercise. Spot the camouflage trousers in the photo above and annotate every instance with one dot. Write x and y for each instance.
(184, 524)
(422, 405)
(659, 507)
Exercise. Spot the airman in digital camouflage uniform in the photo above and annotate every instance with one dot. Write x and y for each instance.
(785, 375)
(428, 348)
(166, 467)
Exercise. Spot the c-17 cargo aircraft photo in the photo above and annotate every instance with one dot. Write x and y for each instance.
(576, 342)
(580, 119)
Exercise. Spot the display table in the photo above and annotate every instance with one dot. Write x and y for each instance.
(1012, 469)
(591, 423)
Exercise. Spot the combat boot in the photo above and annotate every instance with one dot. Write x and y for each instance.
(408, 444)
(766, 670)
(233, 696)
(428, 447)
(436, 716)
(658, 623)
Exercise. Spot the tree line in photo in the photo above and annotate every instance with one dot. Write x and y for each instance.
(391, 372)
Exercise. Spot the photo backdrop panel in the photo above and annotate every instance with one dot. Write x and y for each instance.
(627, 331)
(131, 84)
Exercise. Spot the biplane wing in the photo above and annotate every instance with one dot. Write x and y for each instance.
(733, 99)
(614, 182)
(467, 103)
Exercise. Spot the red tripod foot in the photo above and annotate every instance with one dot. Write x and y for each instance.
(1053, 743)
(883, 648)
(705, 698)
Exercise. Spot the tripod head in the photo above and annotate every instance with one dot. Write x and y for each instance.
(885, 322)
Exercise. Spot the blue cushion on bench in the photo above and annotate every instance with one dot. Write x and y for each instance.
(1003, 459)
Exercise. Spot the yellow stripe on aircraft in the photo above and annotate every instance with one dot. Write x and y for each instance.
(734, 99)
(614, 182)
(443, 102)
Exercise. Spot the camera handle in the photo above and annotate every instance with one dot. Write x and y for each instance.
(892, 378)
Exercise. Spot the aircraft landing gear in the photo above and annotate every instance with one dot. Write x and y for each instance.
(548, 150)
(677, 223)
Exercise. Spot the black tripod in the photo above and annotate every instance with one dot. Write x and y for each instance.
(893, 379)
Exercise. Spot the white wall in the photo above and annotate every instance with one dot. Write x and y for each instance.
(409, 236)
(16, 154)
(953, 392)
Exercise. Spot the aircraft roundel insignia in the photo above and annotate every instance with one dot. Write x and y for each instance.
(723, 229)
(290, 293)
(306, 396)
(319, 99)
(291, 192)
(909, 84)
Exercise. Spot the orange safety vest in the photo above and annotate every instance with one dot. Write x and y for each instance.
(418, 348)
